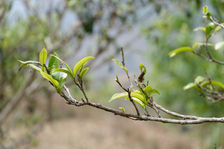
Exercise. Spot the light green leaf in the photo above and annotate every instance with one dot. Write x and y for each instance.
(63, 70)
(24, 63)
(83, 72)
(118, 95)
(149, 90)
(137, 94)
(199, 29)
(199, 44)
(80, 64)
(214, 82)
(35, 67)
(141, 66)
(122, 109)
(53, 64)
(139, 102)
(189, 85)
(182, 49)
(50, 78)
(205, 10)
(119, 64)
(199, 79)
(69, 69)
(219, 45)
(43, 56)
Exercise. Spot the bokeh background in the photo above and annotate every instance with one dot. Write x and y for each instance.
(32, 115)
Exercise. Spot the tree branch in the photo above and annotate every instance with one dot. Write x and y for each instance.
(187, 119)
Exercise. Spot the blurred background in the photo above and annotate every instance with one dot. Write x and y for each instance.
(32, 115)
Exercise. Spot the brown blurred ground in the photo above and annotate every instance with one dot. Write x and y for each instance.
(88, 128)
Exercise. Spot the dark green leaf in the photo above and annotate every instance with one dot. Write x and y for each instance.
(53, 64)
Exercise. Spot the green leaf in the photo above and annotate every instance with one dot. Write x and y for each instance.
(43, 56)
(24, 63)
(214, 82)
(83, 72)
(137, 94)
(219, 45)
(199, 29)
(61, 78)
(205, 10)
(35, 67)
(189, 85)
(200, 44)
(50, 78)
(139, 102)
(53, 64)
(122, 109)
(183, 49)
(210, 28)
(80, 64)
(149, 90)
(63, 70)
(46, 76)
(199, 79)
(69, 69)
(120, 65)
(118, 95)
(141, 66)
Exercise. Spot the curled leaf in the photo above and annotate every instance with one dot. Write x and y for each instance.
(24, 63)
(214, 82)
(142, 68)
(182, 49)
(83, 72)
(35, 67)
